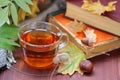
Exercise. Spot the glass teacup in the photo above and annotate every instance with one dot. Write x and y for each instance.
(40, 42)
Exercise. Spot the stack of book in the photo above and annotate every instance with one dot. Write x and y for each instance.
(105, 41)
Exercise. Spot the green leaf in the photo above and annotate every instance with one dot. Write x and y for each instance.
(29, 2)
(22, 4)
(7, 34)
(76, 56)
(4, 3)
(7, 44)
(14, 14)
(3, 15)
(8, 31)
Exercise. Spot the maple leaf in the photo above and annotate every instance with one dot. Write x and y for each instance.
(77, 26)
(76, 56)
(98, 7)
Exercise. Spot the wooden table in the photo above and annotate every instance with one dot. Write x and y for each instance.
(106, 67)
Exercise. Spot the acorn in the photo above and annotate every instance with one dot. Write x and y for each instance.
(86, 66)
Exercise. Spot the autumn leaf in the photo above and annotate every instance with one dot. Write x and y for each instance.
(76, 26)
(21, 15)
(110, 6)
(98, 7)
(34, 10)
(76, 56)
(90, 38)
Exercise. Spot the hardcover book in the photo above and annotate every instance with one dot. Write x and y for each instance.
(105, 42)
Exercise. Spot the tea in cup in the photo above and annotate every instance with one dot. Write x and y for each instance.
(40, 42)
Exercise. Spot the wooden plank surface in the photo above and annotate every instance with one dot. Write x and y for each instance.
(105, 68)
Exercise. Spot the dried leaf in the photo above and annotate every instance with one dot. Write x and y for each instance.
(98, 7)
(110, 6)
(21, 15)
(77, 26)
(90, 38)
(34, 9)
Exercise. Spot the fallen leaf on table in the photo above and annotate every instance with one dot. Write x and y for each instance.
(98, 7)
(76, 56)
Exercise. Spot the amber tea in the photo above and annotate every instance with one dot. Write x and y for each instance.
(36, 52)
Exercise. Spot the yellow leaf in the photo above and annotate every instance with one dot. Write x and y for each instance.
(21, 15)
(110, 6)
(98, 7)
(76, 56)
(90, 38)
(76, 26)
(34, 10)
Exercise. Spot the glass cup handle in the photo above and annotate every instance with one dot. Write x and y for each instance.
(64, 41)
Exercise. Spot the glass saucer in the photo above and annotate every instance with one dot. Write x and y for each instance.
(21, 67)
